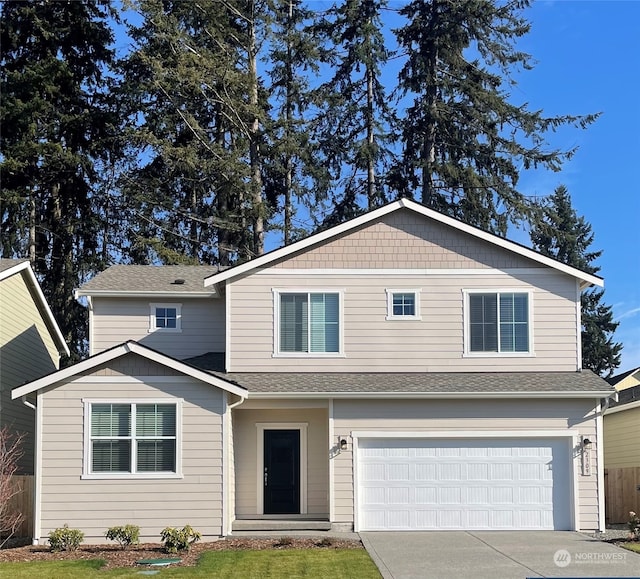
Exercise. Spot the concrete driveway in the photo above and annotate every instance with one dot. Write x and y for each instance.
(497, 555)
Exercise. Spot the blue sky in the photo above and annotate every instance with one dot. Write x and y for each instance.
(588, 60)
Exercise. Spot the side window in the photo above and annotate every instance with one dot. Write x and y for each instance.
(403, 304)
(132, 439)
(498, 322)
(165, 318)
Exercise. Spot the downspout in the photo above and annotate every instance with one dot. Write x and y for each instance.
(226, 466)
(600, 457)
(36, 469)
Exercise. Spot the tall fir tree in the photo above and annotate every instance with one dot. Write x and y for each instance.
(294, 176)
(560, 233)
(355, 129)
(192, 95)
(57, 126)
(464, 142)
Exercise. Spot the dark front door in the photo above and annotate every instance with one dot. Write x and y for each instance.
(281, 472)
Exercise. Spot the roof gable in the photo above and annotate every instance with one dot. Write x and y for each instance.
(324, 236)
(11, 267)
(123, 350)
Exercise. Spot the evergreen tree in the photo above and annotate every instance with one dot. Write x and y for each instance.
(191, 89)
(57, 125)
(293, 174)
(356, 126)
(464, 143)
(558, 232)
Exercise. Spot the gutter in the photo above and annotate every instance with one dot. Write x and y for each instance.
(433, 395)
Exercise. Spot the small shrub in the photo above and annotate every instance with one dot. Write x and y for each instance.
(634, 526)
(126, 535)
(283, 542)
(65, 539)
(174, 540)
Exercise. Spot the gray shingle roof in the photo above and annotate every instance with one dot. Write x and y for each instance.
(151, 278)
(405, 383)
(9, 263)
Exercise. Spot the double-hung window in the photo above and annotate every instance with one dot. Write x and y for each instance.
(498, 322)
(307, 322)
(132, 439)
(165, 318)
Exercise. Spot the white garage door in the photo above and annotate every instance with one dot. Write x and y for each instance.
(422, 484)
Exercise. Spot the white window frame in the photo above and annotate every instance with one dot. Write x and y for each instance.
(467, 320)
(277, 292)
(88, 446)
(416, 298)
(152, 318)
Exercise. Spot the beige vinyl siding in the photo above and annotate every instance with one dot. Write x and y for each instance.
(27, 352)
(245, 437)
(95, 505)
(116, 320)
(435, 343)
(472, 415)
(621, 436)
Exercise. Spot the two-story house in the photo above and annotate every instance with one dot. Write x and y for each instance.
(31, 345)
(400, 371)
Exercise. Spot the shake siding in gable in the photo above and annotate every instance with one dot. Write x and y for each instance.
(95, 505)
(116, 320)
(27, 352)
(473, 415)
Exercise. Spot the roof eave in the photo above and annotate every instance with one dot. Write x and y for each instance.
(434, 395)
(142, 294)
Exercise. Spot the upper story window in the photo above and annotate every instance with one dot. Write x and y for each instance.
(498, 322)
(165, 318)
(403, 304)
(132, 439)
(307, 322)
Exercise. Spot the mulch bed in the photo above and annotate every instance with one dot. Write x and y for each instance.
(114, 556)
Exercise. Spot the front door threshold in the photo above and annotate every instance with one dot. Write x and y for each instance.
(280, 525)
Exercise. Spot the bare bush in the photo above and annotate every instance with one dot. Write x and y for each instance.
(10, 453)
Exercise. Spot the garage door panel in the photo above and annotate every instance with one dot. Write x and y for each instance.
(418, 484)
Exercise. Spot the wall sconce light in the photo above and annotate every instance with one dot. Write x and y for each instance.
(342, 443)
(586, 443)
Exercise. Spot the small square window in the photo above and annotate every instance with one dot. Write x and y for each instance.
(165, 318)
(403, 304)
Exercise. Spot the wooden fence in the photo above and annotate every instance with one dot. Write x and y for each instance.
(23, 502)
(622, 493)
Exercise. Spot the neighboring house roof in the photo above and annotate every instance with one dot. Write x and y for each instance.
(150, 280)
(268, 258)
(121, 350)
(620, 377)
(627, 399)
(583, 384)
(10, 267)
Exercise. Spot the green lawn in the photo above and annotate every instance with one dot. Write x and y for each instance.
(312, 563)
(635, 546)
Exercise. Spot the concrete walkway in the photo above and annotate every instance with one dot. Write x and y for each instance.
(497, 555)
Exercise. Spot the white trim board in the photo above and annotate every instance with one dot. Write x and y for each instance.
(587, 279)
(117, 352)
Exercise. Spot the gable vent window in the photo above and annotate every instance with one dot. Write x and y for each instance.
(308, 323)
(165, 318)
(499, 322)
(137, 438)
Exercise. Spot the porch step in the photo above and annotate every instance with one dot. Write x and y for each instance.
(280, 525)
